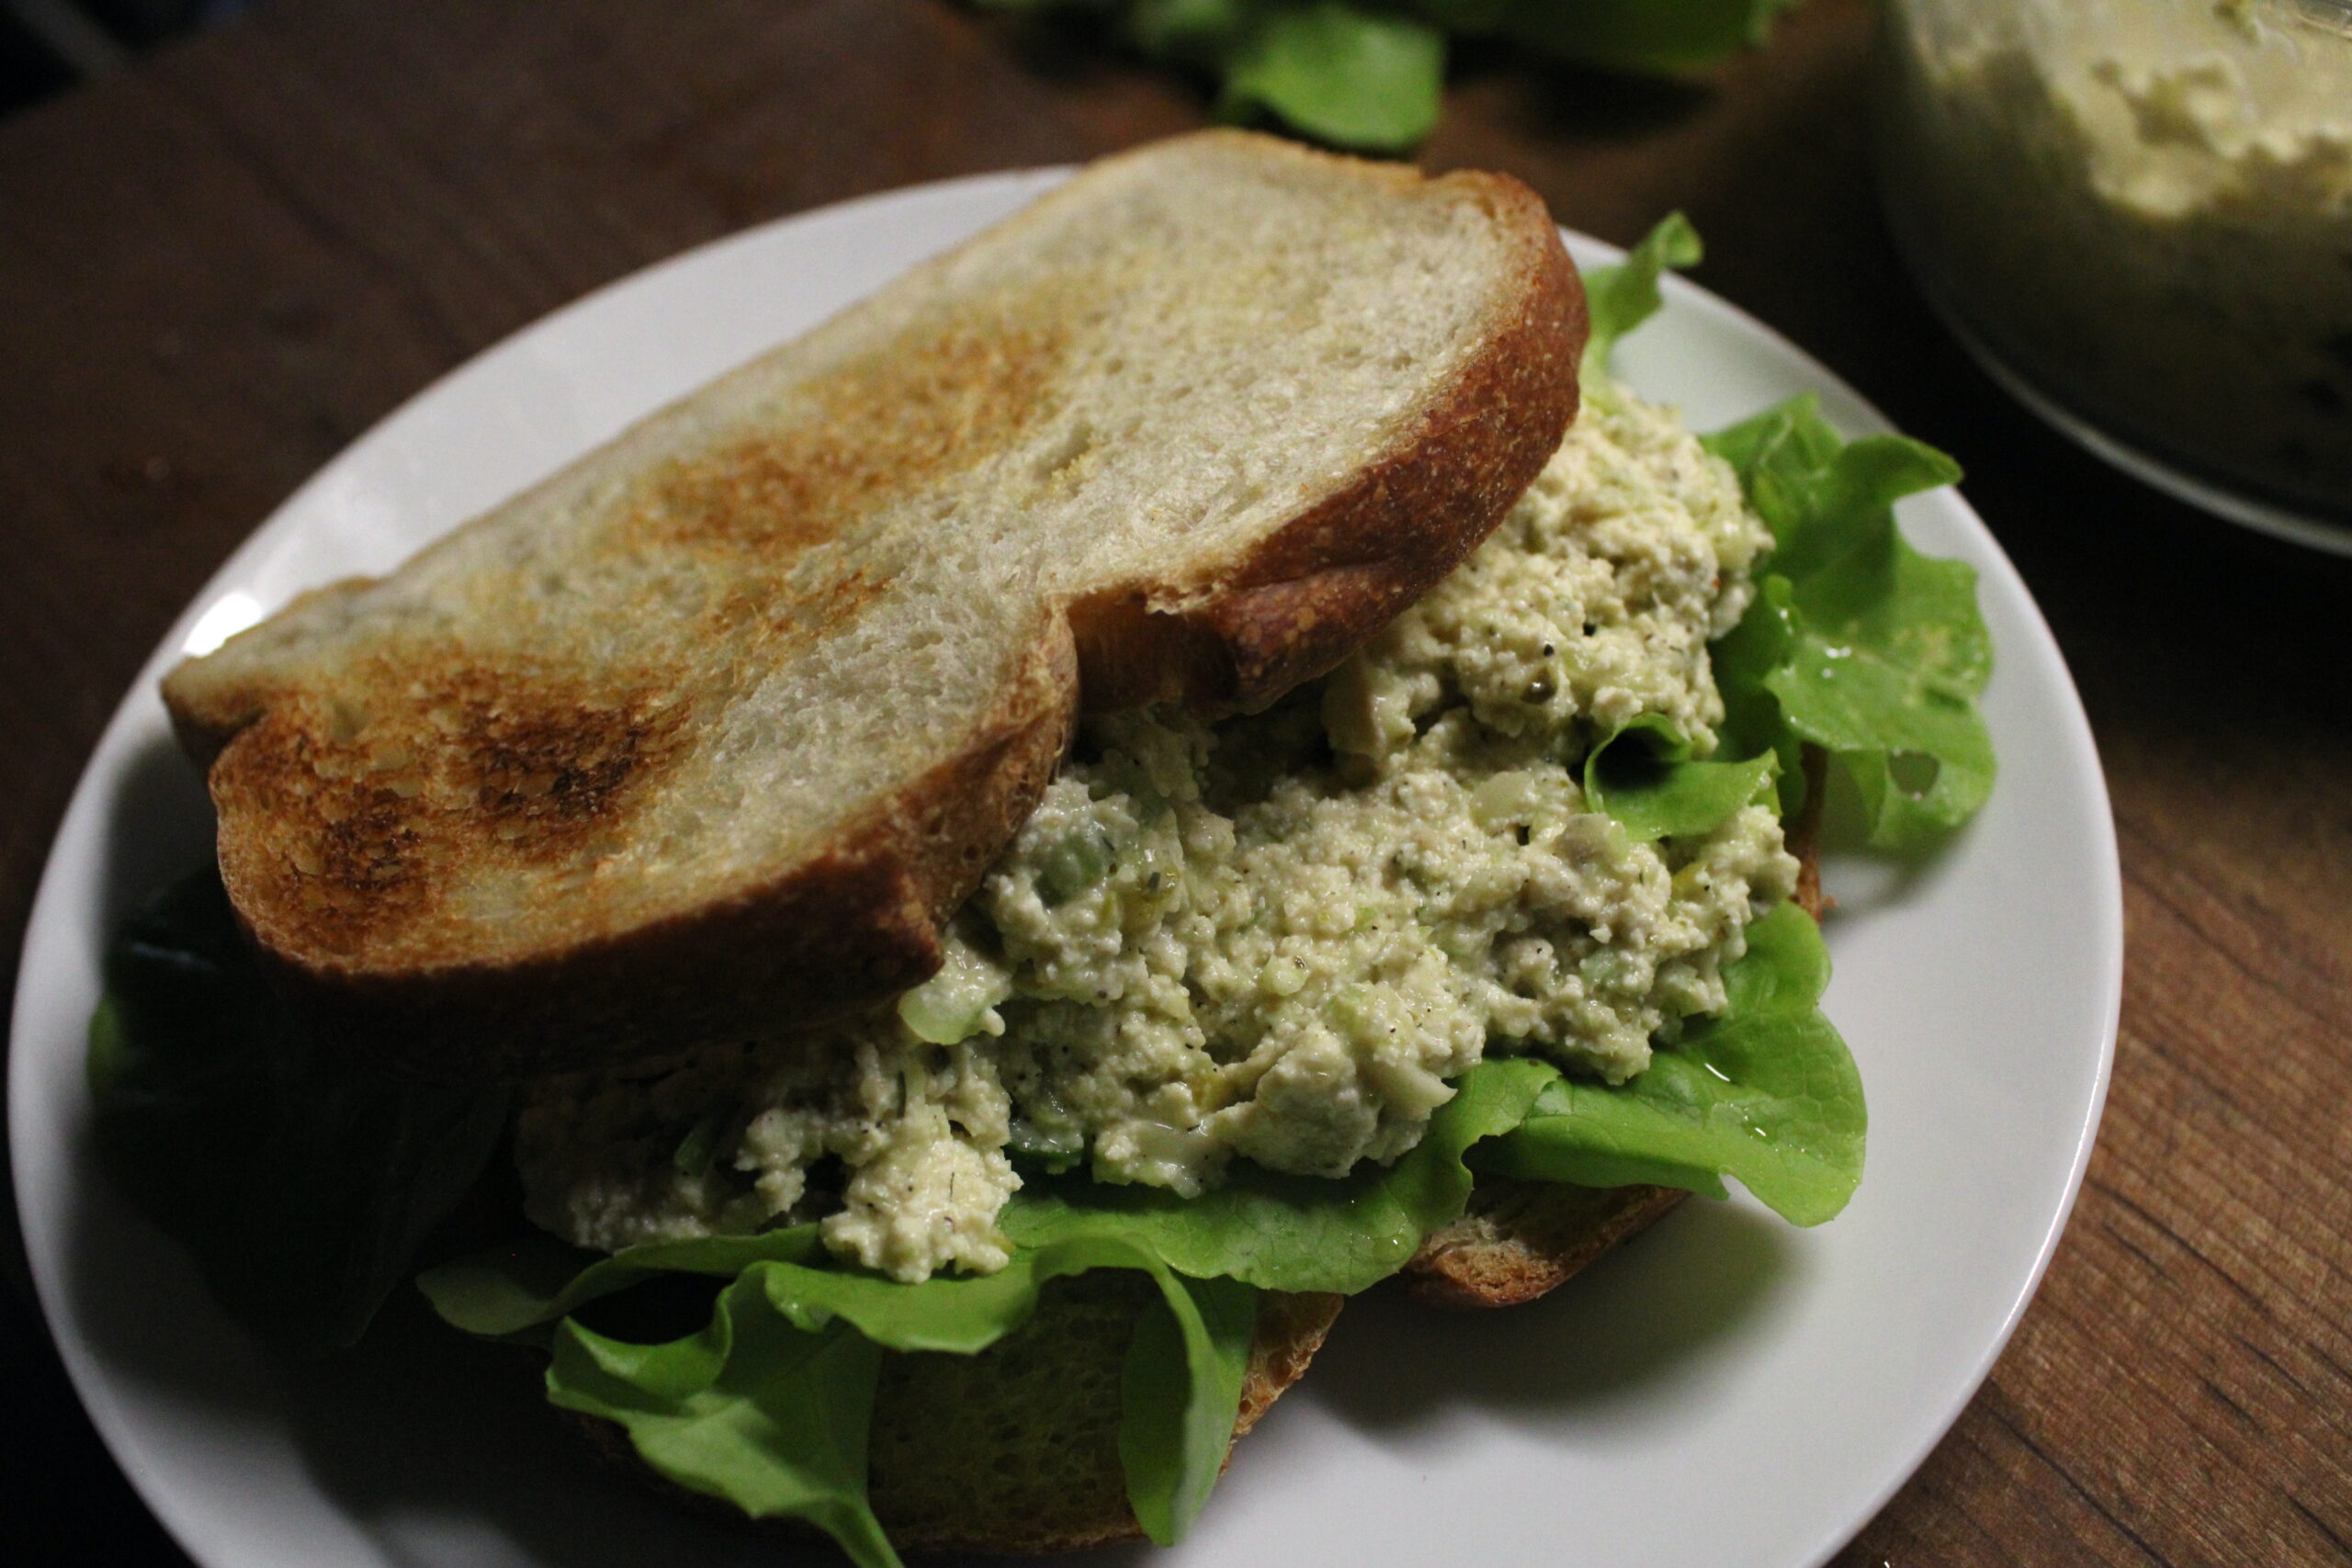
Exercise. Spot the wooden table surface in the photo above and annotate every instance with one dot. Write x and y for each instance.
(218, 269)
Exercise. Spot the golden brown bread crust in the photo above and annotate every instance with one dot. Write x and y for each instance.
(554, 765)
(1520, 1239)
(857, 922)
(1315, 592)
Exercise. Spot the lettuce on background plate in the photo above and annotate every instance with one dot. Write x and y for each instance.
(1370, 76)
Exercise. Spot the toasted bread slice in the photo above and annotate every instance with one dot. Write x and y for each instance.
(1016, 1449)
(1518, 1240)
(713, 727)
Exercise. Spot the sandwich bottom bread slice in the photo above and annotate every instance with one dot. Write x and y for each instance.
(1462, 963)
(1016, 1449)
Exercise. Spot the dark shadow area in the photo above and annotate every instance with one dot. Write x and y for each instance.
(1062, 46)
(142, 1309)
(441, 1445)
(48, 47)
(136, 1296)
(30, 70)
(1642, 1314)
(1579, 102)
(424, 1422)
(67, 1500)
(159, 827)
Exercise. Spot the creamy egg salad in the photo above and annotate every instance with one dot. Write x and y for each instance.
(1277, 938)
(2147, 209)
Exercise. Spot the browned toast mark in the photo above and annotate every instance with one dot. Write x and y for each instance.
(347, 855)
(550, 766)
(483, 765)
(899, 420)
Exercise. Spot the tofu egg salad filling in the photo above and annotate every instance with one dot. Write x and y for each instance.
(1280, 938)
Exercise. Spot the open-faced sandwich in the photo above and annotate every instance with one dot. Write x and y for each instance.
(988, 869)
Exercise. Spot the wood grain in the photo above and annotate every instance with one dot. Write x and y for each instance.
(218, 269)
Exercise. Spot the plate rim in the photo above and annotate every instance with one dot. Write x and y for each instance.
(139, 705)
(2106, 852)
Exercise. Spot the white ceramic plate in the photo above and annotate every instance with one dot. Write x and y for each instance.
(1729, 1391)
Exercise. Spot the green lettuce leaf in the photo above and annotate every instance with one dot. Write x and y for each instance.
(1297, 1232)
(1353, 77)
(1180, 1394)
(756, 1409)
(768, 1408)
(1856, 642)
(1623, 296)
(1370, 76)
(515, 1291)
(301, 1181)
(1764, 1092)
(1195, 33)
(1644, 776)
